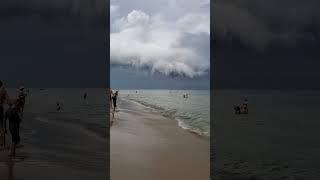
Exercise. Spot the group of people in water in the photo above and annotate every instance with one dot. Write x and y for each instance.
(243, 108)
(13, 114)
(113, 102)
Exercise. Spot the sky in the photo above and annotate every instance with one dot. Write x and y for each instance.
(162, 44)
(53, 43)
(266, 44)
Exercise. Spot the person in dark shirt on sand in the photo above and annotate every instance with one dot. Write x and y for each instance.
(3, 99)
(12, 115)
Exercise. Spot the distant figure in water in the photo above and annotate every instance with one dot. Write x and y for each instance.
(245, 106)
(21, 101)
(59, 107)
(136, 92)
(85, 96)
(242, 109)
(237, 109)
(12, 115)
(185, 96)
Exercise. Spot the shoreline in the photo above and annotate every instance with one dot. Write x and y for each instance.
(179, 123)
(147, 145)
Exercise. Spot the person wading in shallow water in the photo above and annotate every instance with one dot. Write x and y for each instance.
(114, 102)
(21, 101)
(3, 99)
(85, 96)
(59, 106)
(110, 96)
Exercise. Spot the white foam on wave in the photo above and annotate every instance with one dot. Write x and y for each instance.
(181, 123)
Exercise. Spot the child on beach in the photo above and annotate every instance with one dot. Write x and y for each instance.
(12, 115)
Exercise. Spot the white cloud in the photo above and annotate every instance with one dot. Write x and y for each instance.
(154, 40)
(113, 9)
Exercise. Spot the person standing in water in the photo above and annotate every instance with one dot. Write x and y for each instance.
(110, 95)
(12, 115)
(114, 100)
(21, 101)
(85, 96)
(4, 97)
(111, 107)
(245, 106)
(58, 105)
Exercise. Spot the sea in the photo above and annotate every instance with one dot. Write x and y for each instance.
(71, 143)
(278, 139)
(192, 113)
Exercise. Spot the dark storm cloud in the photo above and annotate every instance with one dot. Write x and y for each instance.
(54, 43)
(54, 8)
(266, 44)
(143, 80)
(261, 23)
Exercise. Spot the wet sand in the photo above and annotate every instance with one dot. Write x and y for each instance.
(146, 145)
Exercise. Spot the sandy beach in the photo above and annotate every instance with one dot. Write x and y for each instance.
(146, 145)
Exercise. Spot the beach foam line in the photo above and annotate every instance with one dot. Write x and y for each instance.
(193, 130)
(169, 114)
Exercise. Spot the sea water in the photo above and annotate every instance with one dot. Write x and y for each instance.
(192, 113)
(73, 140)
(279, 138)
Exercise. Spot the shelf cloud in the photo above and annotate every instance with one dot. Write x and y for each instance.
(172, 39)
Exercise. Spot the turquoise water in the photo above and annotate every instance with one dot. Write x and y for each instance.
(192, 113)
